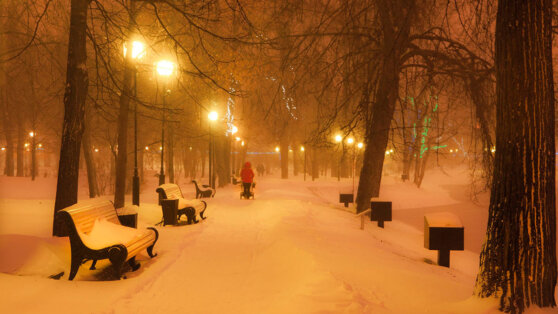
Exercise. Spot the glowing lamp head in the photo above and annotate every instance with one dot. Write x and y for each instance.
(31, 134)
(138, 50)
(146, 147)
(338, 138)
(160, 147)
(3, 148)
(360, 145)
(350, 140)
(165, 67)
(277, 148)
(96, 150)
(301, 148)
(26, 145)
(40, 145)
(213, 115)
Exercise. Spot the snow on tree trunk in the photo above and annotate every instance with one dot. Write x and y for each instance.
(74, 107)
(518, 259)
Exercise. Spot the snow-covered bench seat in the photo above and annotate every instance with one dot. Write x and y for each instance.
(175, 205)
(96, 233)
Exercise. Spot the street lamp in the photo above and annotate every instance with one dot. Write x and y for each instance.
(138, 52)
(164, 68)
(338, 139)
(33, 156)
(302, 150)
(212, 116)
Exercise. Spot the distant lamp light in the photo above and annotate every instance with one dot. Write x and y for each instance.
(96, 150)
(26, 145)
(277, 148)
(391, 151)
(213, 115)
(165, 67)
(338, 138)
(3, 148)
(360, 145)
(387, 152)
(234, 129)
(456, 150)
(40, 145)
(190, 147)
(31, 134)
(146, 147)
(451, 150)
(160, 147)
(350, 140)
(301, 148)
(493, 149)
(238, 139)
(242, 143)
(290, 150)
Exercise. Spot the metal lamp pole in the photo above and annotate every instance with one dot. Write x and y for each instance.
(162, 173)
(135, 179)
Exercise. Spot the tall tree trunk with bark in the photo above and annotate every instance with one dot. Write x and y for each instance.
(8, 132)
(518, 259)
(74, 108)
(395, 19)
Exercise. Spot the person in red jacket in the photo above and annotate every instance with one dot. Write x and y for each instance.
(247, 176)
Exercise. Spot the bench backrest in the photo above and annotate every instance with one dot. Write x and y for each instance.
(84, 213)
(172, 191)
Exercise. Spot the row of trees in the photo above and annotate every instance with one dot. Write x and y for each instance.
(298, 72)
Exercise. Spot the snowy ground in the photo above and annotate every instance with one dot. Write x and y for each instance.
(292, 250)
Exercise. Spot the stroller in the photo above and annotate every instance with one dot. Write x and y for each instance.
(251, 192)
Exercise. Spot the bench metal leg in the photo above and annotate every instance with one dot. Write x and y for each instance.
(93, 265)
(132, 262)
(76, 262)
(150, 248)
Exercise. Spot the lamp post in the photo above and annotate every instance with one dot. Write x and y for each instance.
(338, 139)
(302, 150)
(212, 116)
(138, 51)
(32, 134)
(164, 68)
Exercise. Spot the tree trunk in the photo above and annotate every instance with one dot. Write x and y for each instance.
(91, 169)
(518, 259)
(74, 104)
(8, 132)
(284, 151)
(122, 158)
(395, 19)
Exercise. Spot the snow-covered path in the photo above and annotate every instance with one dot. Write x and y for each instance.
(291, 250)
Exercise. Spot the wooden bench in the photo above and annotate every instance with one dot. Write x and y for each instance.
(174, 205)
(96, 233)
(204, 191)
